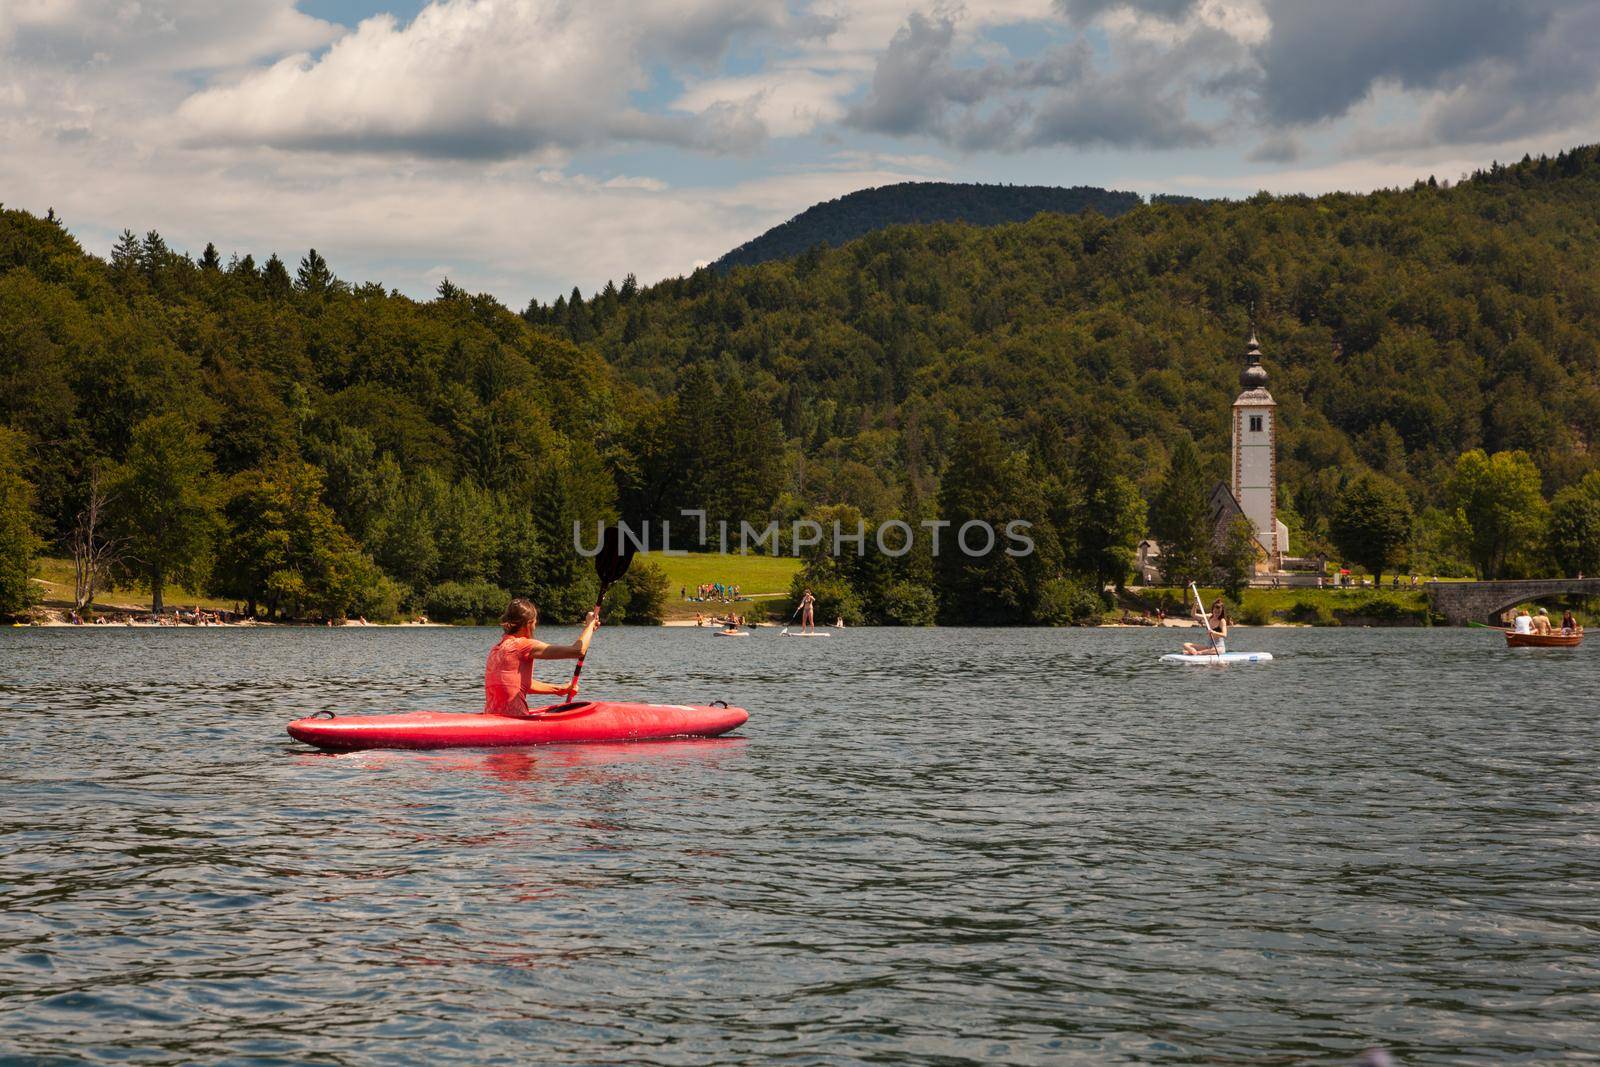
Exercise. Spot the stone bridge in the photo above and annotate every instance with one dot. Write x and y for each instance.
(1464, 602)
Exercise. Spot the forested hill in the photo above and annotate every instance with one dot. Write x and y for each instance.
(836, 222)
(1401, 329)
(315, 446)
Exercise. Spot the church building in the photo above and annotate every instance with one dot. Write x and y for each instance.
(1253, 482)
(1251, 490)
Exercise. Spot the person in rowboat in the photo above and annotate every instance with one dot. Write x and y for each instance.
(1541, 621)
(1569, 623)
(1523, 623)
(1217, 626)
(508, 676)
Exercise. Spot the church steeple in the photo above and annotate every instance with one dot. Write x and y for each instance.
(1254, 375)
(1255, 457)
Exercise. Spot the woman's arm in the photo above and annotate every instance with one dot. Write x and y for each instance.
(540, 650)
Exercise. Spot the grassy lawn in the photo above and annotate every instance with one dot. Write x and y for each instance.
(56, 587)
(1279, 605)
(759, 576)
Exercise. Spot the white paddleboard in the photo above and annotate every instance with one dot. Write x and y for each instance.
(731, 633)
(1217, 661)
(814, 633)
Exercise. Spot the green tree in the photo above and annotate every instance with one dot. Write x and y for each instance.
(18, 542)
(1236, 556)
(286, 551)
(1499, 509)
(165, 508)
(908, 603)
(1575, 527)
(647, 588)
(1180, 517)
(1372, 523)
(314, 276)
(988, 487)
(1109, 514)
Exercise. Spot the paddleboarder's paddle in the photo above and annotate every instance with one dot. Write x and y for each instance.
(1200, 606)
(610, 563)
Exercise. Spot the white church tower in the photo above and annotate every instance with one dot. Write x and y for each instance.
(1255, 459)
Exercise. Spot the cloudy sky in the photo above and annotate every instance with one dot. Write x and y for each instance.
(524, 146)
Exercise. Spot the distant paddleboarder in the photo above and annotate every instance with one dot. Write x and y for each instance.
(1216, 626)
(808, 606)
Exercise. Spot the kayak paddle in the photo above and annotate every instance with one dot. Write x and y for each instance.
(1200, 606)
(610, 564)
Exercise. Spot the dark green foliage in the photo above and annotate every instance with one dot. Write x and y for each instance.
(988, 484)
(285, 551)
(646, 587)
(18, 540)
(1575, 527)
(458, 441)
(1108, 514)
(908, 604)
(1236, 557)
(836, 222)
(1371, 523)
(1499, 512)
(1067, 602)
(164, 505)
(479, 602)
(1180, 516)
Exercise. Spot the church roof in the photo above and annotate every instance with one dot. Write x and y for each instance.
(1253, 378)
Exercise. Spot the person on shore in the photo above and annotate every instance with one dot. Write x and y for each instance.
(1216, 626)
(1523, 623)
(808, 606)
(508, 675)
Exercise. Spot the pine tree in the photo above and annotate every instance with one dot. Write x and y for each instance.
(313, 277)
(1110, 515)
(211, 259)
(1180, 517)
(275, 278)
(125, 259)
(18, 541)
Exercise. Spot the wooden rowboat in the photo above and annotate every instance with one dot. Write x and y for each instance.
(1558, 640)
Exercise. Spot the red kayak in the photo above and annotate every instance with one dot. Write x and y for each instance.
(586, 720)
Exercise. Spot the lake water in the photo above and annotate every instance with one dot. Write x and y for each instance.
(939, 846)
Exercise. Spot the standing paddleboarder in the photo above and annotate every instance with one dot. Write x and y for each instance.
(808, 606)
(508, 676)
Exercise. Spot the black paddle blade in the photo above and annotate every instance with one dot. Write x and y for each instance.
(616, 553)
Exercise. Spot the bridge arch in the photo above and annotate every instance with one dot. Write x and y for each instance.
(1464, 602)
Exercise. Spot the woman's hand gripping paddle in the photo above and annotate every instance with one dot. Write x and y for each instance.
(1204, 616)
(610, 563)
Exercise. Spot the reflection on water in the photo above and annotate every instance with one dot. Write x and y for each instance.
(952, 846)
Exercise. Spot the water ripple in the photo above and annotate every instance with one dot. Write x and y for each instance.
(930, 847)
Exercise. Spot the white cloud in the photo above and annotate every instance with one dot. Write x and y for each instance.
(156, 34)
(491, 79)
(788, 103)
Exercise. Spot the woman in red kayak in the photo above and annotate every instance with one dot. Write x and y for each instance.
(508, 676)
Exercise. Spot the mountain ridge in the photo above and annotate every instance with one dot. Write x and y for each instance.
(845, 218)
